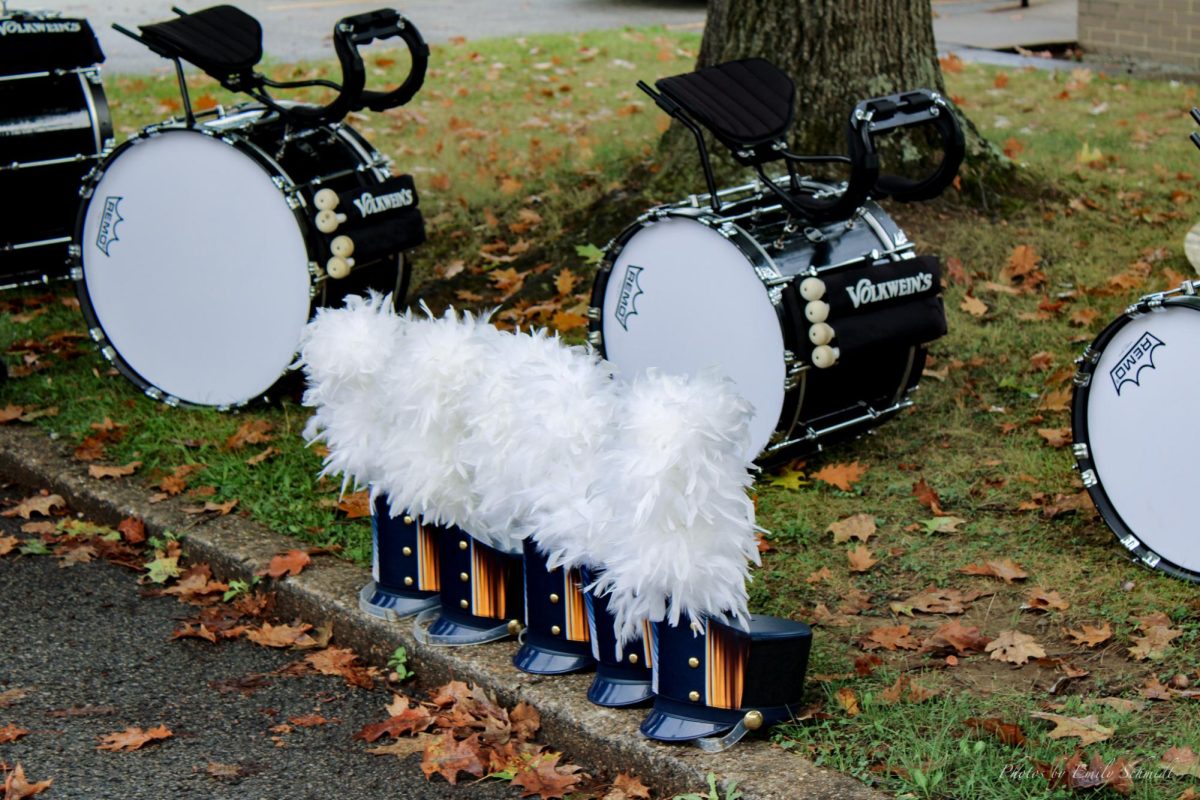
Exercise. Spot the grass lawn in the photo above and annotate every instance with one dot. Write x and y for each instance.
(522, 151)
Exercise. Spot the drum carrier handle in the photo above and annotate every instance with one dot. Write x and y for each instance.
(349, 34)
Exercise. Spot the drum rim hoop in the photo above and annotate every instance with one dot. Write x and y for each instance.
(1142, 552)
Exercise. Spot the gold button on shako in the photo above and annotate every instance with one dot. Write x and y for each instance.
(753, 720)
(463, 604)
(464, 577)
(694, 696)
(514, 627)
(408, 581)
(408, 520)
(462, 545)
(633, 659)
(693, 662)
(553, 598)
(554, 629)
(407, 551)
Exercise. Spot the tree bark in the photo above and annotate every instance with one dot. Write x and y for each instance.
(837, 52)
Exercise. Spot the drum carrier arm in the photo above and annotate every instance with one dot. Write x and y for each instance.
(226, 43)
(749, 104)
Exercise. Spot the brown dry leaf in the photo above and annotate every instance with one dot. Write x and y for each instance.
(1084, 317)
(1007, 732)
(1181, 761)
(1056, 437)
(1056, 400)
(1021, 270)
(132, 530)
(932, 600)
(446, 756)
(526, 721)
(890, 638)
(1154, 643)
(565, 282)
(41, 504)
(269, 635)
(1091, 635)
(546, 779)
(344, 663)
(1121, 704)
(252, 431)
(310, 721)
(843, 476)
(292, 563)
(1041, 599)
(627, 787)
(216, 509)
(403, 748)
(859, 526)
(955, 635)
(133, 739)
(12, 696)
(823, 574)
(176, 482)
(356, 505)
(196, 582)
(18, 787)
(254, 461)
(861, 558)
(405, 719)
(904, 690)
(848, 700)
(1015, 647)
(973, 306)
(927, 497)
(1005, 569)
(83, 554)
(1088, 729)
(8, 544)
(10, 733)
(865, 665)
(566, 321)
(104, 471)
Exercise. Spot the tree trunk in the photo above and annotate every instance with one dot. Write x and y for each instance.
(837, 52)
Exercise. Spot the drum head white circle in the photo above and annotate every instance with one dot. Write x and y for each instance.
(682, 298)
(1143, 447)
(196, 268)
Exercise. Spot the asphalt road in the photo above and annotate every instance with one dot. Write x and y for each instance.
(299, 29)
(95, 659)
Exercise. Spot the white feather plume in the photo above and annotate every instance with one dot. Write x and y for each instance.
(344, 353)
(677, 533)
(538, 423)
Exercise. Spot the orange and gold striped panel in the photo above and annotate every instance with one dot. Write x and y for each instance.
(487, 584)
(428, 579)
(725, 670)
(576, 612)
(648, 644)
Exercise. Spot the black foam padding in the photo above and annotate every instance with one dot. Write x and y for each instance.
(32, 43)
(744, 103)
(912, 323)
(873, 287)
(391, 234)
(221, 40)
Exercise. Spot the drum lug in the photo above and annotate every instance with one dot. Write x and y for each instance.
(775, 293)
(594, 313)
(1088, 476)
(1089, 356)
(1150, 559)
(96, 334)
(596, 339)
(1130, 541)
(1080, 449)
(74, 251)
(727, 230)
(814, 235)
(154, 393)
(1083, 379)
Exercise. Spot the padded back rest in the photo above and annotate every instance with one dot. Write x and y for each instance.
(223, 41)
(745, 103)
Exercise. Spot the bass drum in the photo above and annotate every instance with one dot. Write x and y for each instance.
(1142, 369)
(685, 289)
(200, 252)
(54, 128)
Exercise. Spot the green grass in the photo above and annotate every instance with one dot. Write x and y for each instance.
(973, 435)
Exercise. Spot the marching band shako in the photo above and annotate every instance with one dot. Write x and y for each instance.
(404, 565)
(720, 681)
(556, 639)
(1143, 367)
(481, 592)
(54, 126)
(623, 676)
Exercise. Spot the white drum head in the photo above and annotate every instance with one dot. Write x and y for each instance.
(196, 268)
(1142, 444)
(682, 298)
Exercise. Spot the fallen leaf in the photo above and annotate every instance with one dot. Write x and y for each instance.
(10, 733)
(890, 638)
(12, 696)
(1004, 569)
(932, 600)
(1056, 437)
(823, 574)
(254, 461)
(842, 476)
(1087, 729)
(1007, 732)
(789, 479)
(133, 739)
(1122, 705)
(565, 281)
(1014, 647)
(216, 509)
(8, 544)
(1181, 761)
(955, 635)
(627, 787)
(1040, 599)
(41, 504)
(859, 526)
(943, 524)
(546, 778)
(269, 635)
(356, 505)
(904, 690)
(104, 471)
(927, 497)
(18, 787)
(848, 700)
(342, 662)
(973, 306)
(1091, 635)
(290, 563)
(309, 721)
(405, 747)
(252, 431)
(446, 756)
(1154, 642)
(132, 530)
(861, 558)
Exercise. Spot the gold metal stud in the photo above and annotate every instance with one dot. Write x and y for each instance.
(407, 551)
(408, 581)
(464, 577)
(693, 662)
(694, 696)
(553, 598)
(633, 659)
(514, 627)
(554, 629)
(408, 520)
(462, 545)
(753, 720)
(463, 604)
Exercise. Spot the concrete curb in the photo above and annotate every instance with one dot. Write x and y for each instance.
(605, 739)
